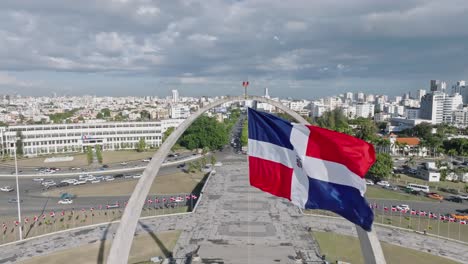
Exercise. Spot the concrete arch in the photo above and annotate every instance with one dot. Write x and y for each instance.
(123, 239)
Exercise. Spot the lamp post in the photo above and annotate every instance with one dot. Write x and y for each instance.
(18, 201)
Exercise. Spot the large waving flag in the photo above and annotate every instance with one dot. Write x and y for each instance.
(313, 167)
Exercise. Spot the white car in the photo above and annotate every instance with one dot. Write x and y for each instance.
(49, 183)
(369, 182)
(137, 176)
(109, 178)
(79, 182)
(6, 189)
(128, 176)
(403, 207)
(96, 181)
(218, 164)
(38, 179)
(463, 196)
(146, 160)
(383, 183)
(70, 181)
(90, 179)
(65, 201)
(123, 163)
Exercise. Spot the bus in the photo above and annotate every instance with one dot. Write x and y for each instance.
(418, 187)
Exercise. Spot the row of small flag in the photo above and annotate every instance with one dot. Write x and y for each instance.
(431, 215)
(172, 199)
(100, 207)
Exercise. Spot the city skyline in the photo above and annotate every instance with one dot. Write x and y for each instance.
(301, 49)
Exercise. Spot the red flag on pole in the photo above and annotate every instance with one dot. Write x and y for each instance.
(36, 218)
(26, 220)
(52, 214)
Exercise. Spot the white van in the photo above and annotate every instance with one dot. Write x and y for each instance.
(418, 187)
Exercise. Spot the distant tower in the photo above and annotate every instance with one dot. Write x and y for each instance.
(266, 93)
(175, 96)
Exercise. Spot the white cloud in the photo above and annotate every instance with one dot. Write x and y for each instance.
(8, 80)
(148, 10)
(296, 26)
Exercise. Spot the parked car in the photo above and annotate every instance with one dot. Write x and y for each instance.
(146, 160)
(128, 176)
(123, 163)
(455, 199)
(369, 182)
(105, 166)
(69, 181)
(14, 200)
(65, 201)
(383, 183)
(181, 165)
(80, 182)
(38, 179)
(136, 176)
(63, 184)
(463, 196)
(218, 164)
(402, 207)
(96, 181)
(109, 178)
(435, 196)
(118, 175)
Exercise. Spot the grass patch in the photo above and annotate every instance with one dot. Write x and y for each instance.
(79, 160)
(163, 184)
(347, 248)
(381, 193)
(144, 247)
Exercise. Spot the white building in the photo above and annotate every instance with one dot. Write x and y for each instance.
(428, 175)
(420, 93)
(412, 113)
(179, 111)
(364, 110)
(66, 138)
(175, 96)
(439, 107)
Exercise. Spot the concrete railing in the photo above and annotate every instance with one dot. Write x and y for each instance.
(123, 239)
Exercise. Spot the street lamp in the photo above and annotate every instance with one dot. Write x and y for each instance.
(18, 201)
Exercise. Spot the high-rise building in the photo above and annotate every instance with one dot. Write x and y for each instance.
(360, 97)
(175, 96)
(364, 110)
(439, 107)
(266, 95)
(420, 93)
(438, 86)
(462, 89)
(349, 96)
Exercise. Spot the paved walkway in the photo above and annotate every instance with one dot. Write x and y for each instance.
(236, 223)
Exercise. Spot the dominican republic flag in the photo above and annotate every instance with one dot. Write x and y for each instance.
(314, 168)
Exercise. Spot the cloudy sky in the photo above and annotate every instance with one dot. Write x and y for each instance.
(300, 49)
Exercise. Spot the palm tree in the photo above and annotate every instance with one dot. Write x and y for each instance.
(410, 162)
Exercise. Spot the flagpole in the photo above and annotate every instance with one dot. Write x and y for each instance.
(18, 201)
(370, 246)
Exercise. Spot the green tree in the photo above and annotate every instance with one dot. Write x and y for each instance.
(466, 188)
(205, 132)
(244, 135)
(334, 120)
(19, 143)
(203, 161)
(98, 153)
(167, 133)
(100, 116)
(213, 159)
(145, 115)
(106, 112)
(89, 155)
(410, 161)
(366, 129)
(141, 145)
(382, 167)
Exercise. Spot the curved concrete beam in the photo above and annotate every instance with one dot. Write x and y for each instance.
(123, 239)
